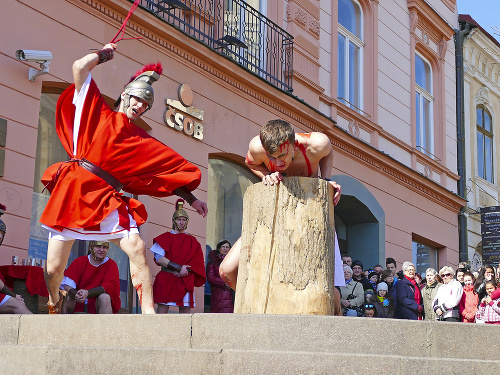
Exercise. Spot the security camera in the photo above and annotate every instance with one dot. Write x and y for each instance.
(34, 56)
(41, 57)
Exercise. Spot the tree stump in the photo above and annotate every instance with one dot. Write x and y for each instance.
(287, 260)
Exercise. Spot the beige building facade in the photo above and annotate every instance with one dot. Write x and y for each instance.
(377, 77)
(481, 53)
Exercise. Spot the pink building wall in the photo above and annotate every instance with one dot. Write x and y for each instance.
(379, 150)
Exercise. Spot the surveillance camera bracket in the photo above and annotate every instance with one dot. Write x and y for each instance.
(34, 73)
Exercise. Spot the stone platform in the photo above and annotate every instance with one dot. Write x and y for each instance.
(243, 344)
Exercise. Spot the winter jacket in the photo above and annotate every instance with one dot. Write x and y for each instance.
(489, 313)
(221, 299)
(355, 289)
(428, 295)
(406, 307)
(468, 304)
(448, 299)
(384, 309)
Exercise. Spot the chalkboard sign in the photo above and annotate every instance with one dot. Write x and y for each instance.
(490, 233)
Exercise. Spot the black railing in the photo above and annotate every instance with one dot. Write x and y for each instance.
(235, 29)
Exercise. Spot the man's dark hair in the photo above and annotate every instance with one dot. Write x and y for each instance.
(389, 261)
(274, 134)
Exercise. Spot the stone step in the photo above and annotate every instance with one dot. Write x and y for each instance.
(49, 360)
(242, 344)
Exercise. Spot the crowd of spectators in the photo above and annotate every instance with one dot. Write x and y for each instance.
(450, 295)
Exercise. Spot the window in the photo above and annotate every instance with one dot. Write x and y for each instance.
(424, 256)
(484, 144)
(350, 50)
(423, 104)
(227, 183)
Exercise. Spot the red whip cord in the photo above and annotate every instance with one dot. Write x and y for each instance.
(124, 25)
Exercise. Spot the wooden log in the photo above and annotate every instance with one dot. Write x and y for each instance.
(287, 260)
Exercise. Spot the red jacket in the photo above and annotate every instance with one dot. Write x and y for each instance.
(468, 304)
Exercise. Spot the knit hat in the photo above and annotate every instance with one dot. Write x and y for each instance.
(382, 286)
(357, 263)
(371, 274)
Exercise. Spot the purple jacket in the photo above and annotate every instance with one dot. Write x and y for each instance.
(221, 300)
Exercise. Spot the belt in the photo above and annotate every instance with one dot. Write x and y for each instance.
(101, 173)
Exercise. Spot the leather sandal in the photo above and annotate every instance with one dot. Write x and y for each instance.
(57, 308)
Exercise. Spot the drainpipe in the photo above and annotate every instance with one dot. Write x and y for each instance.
(464, 30)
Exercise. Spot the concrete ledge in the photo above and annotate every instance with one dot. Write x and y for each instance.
(39, 360)
(9, 329)
(123, 331)
(51, 360)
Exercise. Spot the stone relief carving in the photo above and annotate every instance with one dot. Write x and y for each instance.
(314, 26)
(354, 128)
(442, 47)
(413, 21)
(483, 95)
(300, 16)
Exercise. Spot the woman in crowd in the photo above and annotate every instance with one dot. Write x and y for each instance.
(459, 275)
(352, 295)
(486, 273)
(470, 300)
(446, 304)
(408, 293)
(221, 298)
(429, 293)
(489, 310)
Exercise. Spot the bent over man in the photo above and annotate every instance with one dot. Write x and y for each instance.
(278, 152)
(93, 281)
(108, 153)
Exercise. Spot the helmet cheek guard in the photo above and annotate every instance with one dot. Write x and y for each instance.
(141, 88)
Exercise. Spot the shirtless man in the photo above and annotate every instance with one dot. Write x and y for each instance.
(279, 152)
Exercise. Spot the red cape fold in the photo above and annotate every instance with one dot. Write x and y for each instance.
(182, 249)
(144, 165)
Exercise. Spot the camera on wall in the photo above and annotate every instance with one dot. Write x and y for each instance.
(41, 57)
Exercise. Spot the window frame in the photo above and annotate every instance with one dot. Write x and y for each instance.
(481, 129)
(360, 44)
(421, 94)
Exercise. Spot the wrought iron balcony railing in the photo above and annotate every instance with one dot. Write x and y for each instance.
(235, 29)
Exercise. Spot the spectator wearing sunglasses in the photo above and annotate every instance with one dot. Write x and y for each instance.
(446, 304)
(369, 310)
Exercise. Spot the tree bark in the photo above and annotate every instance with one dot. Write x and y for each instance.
(287, 259)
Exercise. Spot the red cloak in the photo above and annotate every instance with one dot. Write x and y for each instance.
(144, 165)
(182, 249)
(86, 276)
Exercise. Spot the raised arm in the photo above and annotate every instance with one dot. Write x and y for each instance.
(321, 148)
(83, 66)
(256, 157)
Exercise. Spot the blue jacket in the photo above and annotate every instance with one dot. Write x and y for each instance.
(406, 307)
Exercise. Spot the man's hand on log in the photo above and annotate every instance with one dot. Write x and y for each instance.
(336, 192)
(200, 207)
(272, 179)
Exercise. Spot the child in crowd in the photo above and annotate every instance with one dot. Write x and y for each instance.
(470, 299)
(373, 279)
(370, 311)
(384, 301)
(489, 311)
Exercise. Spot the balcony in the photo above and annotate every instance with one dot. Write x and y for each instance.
(236, 30)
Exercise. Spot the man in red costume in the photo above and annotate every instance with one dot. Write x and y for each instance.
(93, 280)
(108, 153)
(182, 266)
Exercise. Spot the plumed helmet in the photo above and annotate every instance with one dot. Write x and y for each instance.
(140, 85)
(179, 212)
